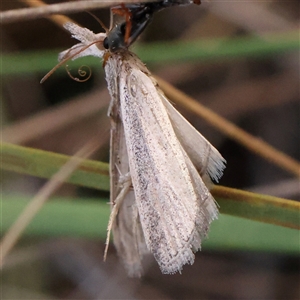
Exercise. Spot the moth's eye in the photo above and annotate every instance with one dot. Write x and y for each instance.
(105, 43)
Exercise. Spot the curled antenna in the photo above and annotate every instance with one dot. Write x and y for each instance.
(81, 73)
(67, 59)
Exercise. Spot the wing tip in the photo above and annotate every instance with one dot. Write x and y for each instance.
(216, 166)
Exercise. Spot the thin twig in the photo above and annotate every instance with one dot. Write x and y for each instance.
(249, 141)
(13, 234)
(23, 14)
(59, 20)
(55, 119)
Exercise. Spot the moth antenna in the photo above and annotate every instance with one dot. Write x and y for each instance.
(65, 60)
(99, 21)
(81, 73)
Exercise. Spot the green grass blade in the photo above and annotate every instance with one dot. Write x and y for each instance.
(258, 207)
(60, 217)
(220, 48)
(95, 174)
(233, 233)
(88, 218)
(45, 164)
(199, 50)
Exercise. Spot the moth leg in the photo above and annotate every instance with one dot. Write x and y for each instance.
(126, 183)
(123, 178)
(115, 118)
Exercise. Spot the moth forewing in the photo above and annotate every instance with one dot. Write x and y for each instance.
(202, 153)
(170, 195)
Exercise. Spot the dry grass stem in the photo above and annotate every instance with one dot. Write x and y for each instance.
(23, 14)
(15, 231)
(55, 119)
(254, 94)
(56, 19)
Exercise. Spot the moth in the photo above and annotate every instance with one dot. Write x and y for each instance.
(160, 166)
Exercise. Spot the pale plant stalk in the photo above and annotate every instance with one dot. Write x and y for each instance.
(23, 14)
(59, 20)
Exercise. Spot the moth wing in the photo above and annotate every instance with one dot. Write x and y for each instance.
(81, 34)
(127, 232)
(205, 157)
(78, 51)
(173, 213)
(128, 236)
(86, 38)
